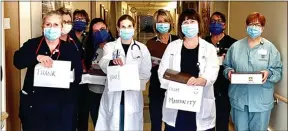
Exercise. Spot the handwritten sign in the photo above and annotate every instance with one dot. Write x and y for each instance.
(183, 97)
(155, 60)
(93, 79)
(59, 76)
(121, 78)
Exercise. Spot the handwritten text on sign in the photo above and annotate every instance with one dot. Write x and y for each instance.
(121, 78)
(183, 97)
(58, 76)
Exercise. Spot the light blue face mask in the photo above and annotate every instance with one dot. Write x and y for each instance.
(254, 31)
(190, 30)
(162, 27)
(126, 34)
(52, 33)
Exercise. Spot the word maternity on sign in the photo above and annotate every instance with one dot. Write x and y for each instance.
(183, 97)
(58, 76)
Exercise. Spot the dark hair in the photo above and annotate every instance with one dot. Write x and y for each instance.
(83, 13)
(222, 16)
(125, 17)
(189, 14)
(256, 16)
(64, 11)
(89, 47)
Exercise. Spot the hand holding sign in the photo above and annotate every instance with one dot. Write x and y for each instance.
(191, 81)
(200, 81)
(45, 61)
(265, 75)
(118, 61)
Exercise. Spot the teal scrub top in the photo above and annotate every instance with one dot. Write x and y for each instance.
(241, 58)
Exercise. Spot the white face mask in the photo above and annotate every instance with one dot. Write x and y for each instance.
(66, 29)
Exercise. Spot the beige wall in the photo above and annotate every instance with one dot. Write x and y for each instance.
(276, 32)
(3, 83)
(221, 6)
(82, 5)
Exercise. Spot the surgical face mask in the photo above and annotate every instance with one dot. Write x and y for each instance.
(100, 36)
(216, 28)
(66, 29)
(254, 31)
(79, 26)
(190, 30)
(52, 33)
(126, 34)
(162, 27)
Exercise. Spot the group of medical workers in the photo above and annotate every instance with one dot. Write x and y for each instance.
(209, 60)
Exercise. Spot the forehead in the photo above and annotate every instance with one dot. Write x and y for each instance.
(66, 17)
(162, 17)
(53, 19)
(254, 21)
(99, 25)
(216, 17)
(125, 22)
(79, 16)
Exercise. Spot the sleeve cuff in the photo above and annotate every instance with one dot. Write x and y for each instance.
(270, 73)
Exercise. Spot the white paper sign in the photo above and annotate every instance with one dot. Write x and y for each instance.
(56, 77)
(93, 79)
(121, 78)
(72, 77)
(183, 97)
(155, 60)
(220, 58)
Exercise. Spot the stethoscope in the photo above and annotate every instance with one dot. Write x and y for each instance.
(70, 39)
(53, 51)
(135, 55)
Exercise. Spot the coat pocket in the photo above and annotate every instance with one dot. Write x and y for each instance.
(25, 105)
(267, 95)
(208, 108)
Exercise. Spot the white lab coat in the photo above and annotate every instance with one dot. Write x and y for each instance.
(209, 67)
(109, 112)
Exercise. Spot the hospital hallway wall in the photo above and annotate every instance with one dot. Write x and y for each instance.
(22, 21)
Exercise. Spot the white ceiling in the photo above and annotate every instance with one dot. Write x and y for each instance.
(147, 5)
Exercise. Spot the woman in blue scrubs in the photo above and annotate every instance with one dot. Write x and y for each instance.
(42, 108)
(252, 104)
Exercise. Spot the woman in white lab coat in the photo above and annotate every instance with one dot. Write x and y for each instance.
(191, 54)
(123, 110)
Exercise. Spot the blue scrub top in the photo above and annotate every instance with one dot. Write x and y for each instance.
(242, 58)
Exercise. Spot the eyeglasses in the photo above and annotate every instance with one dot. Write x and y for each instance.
(80, 19)
(189, 22)
(217, 21)
(255, 24)
(67, 22)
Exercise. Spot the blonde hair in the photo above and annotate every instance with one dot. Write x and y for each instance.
(167, 17)
(51, 13)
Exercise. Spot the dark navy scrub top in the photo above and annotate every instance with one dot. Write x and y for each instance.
(26, 57)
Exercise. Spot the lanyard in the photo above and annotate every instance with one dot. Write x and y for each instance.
(53, 51)
(70, 39)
